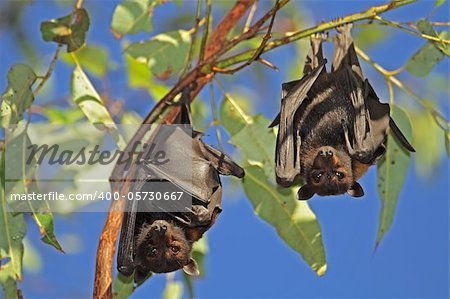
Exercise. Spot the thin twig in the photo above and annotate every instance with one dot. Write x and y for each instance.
(251, 14)
(207, 29)
(49, 72)
(414, 24)
(260, 49)
(194, 37)
(367, 14)
(399, 26)
(267, 63)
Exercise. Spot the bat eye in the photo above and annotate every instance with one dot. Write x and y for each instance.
(175, 249)
(317, 177)
(339, 175)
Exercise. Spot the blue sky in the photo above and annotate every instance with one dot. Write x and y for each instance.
(246, 257)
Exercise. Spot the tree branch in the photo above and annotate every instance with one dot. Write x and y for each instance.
(367, 14)
(106, 247)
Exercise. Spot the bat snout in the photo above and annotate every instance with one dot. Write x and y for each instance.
(160, 227)
(327, 153)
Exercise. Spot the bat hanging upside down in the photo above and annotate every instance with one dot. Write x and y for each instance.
(332, 126)
(161, 242)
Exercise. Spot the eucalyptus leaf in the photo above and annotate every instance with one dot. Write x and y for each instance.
(257, 144)
(18, 95)
(173, 290)
(426, 28)
(293, 219)
(133, 16)
(90, 102)
(140, 76)
(12, 231)
(22, 179)
(165, 54)
(447, 142)
(427, 140)
(230, 117)
(69, 30)
(94, 59)
(123, 286)
(424, 60)
(392, 169)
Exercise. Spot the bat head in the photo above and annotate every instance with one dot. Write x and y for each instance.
(328, 171)
(163, 247)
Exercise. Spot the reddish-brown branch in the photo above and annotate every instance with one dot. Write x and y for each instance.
(218, 37)
(106, 247)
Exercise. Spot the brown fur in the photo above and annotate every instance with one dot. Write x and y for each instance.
(161, 247)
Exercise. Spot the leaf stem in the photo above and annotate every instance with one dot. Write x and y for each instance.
(399, 26)
(49, 72)
(194, 37)
(206, 31)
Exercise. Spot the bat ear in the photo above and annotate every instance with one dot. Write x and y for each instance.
(356, 190)
(305, 193)
(191, 268)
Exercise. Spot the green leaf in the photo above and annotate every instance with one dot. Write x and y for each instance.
(173, 290)
(198, 253)
(439, 3)
(93, 58)
(12, 231)
(32, 260)
(165, 54)
(18, 95)
(426, 28)
(424, 60)
(447, 142)
(139, 76)
(392, 169)
(427, 140)
(293, 219)
(132, 16)
(18, 147)
(60, 116)
(230, 117)
(199, 114)
(89, 101)
(257, 144)
(44, 221)
(69, 30)
(371, 35)
(123, 286)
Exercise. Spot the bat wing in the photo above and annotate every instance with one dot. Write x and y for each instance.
(367, 137)
(287, 155)
(380, 117)
(285, 89)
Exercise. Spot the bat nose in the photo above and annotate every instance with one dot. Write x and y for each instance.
(326, 153)
(161, 228)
